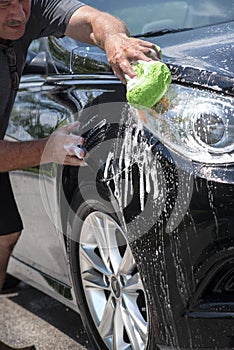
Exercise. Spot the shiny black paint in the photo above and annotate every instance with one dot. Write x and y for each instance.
(195, 252)
(201, 57)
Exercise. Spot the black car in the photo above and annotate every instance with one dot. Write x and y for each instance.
(141, 240)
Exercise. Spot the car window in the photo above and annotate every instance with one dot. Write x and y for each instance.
(142, 16)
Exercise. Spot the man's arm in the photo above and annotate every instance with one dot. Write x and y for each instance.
(19, 155)
(111, 34)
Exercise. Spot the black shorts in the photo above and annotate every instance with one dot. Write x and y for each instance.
(10, 220)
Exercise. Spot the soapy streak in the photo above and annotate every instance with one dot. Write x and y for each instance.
(133, 152)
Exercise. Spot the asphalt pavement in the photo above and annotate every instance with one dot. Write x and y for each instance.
(31, 320)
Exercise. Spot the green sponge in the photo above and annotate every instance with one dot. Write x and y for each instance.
(152, 82)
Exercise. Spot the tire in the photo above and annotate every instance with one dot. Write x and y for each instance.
(107, 285)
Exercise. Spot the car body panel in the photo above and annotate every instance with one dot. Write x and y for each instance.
(203, 56)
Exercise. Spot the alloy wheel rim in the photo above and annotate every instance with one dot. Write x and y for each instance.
(112, 284)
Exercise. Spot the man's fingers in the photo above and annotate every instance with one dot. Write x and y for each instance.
(74, 139)
(130, 50)
(74, 161)
(67, 129)
(72, 149)
(124, 71)
(73, 126)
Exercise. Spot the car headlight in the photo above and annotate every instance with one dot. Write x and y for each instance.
(199, 125)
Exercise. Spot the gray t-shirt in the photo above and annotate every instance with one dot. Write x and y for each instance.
(48, 17)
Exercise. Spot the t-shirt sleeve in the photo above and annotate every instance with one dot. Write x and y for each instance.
(51, 17)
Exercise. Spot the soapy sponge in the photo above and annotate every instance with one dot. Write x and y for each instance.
(152, 82)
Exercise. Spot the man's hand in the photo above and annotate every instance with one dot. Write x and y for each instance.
(64, 146)
(111, 34)
(121, 50)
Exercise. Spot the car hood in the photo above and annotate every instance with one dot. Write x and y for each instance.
(202, 56)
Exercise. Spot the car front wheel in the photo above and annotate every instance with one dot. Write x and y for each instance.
(107, 283)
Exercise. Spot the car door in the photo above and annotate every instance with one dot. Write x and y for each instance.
(33, 117)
